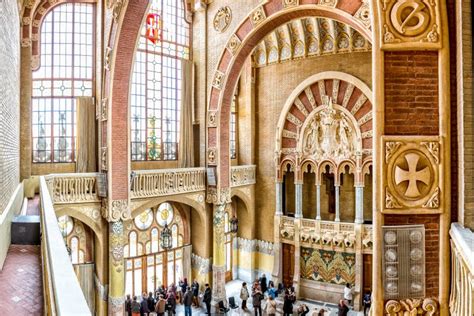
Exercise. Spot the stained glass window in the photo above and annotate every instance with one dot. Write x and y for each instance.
(65, 72)
(233, 130)
(156, 84)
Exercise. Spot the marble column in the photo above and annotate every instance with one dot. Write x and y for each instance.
(298, 200)
(338, 215)
(318, 202)
(116, 269)
(218, 255)
(359, 204)
(279, 198)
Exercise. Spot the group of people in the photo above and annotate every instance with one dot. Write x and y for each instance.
(165, 300)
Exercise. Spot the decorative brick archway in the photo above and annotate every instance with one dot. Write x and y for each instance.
(248, 34)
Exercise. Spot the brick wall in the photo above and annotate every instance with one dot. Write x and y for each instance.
(411, 93)
(9, 100)
(431, 223)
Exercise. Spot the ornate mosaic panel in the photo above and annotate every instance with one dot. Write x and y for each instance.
(327, 266)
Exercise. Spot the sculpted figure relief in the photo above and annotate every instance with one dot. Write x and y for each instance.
(330, 134)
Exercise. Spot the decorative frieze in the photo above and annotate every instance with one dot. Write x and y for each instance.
(154, 183)
(255, 245)
(412, 170)
(243, 175)
(218, 196)
(73, 188)
(203, 265)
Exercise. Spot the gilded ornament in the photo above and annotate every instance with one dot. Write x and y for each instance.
(222, 19)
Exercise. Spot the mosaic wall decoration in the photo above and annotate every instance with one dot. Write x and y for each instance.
(327, 266)
(404, 261)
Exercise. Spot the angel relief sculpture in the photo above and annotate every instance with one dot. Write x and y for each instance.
(330, 134)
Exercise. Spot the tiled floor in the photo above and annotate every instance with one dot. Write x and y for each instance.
(20, 282)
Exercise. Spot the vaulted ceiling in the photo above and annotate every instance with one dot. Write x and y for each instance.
(307, 37)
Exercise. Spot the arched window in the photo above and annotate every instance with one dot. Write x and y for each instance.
(65, 72)
(75, 250)
(156, 82)
(132, 244)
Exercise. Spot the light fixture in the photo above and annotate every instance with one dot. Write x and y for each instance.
(166, 238)
(234, 225)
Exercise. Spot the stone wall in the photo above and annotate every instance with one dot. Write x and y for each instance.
(9, 100)
(274, 85)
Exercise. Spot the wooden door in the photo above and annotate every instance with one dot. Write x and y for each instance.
(288, 264)
(367, 274)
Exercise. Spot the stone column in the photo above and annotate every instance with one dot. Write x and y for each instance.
(298, 200)
(318, 202)
(25, 111)
(359, 204)
(338, 215)
(279, 198)
(116, 269)
(218, 255)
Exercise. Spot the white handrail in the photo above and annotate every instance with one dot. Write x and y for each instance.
(67, 295)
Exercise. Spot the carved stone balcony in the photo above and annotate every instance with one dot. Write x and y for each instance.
(153, 183)
(73, 188)
(243, 175)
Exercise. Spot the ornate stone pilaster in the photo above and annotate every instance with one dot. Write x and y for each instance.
(116, 269)
(359, 204)
(338, 215)
(298, 200)
(318, 202)
(218, 266)
(279, 198)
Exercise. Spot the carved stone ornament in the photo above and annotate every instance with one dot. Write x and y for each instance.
(363, 14)
(116, 245)
(416, 306)
(212, 156)
(103, 158)
(233, 44)
(290, 3)
(107, 58)
(212, 119)
(254, 245)
(329, 3)
(222, 19)
(218, 80)
(412, 173)
(202, 265)
(410, 23)
(257, 16)
(116, 305)
(104, 109)
(116, 6)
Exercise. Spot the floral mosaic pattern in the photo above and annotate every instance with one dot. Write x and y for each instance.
(327, 266)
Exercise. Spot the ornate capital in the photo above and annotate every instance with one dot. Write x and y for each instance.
(410, 24)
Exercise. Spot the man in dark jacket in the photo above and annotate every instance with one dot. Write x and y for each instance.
(128, 305)
(263, 283)
(144, 305)
(195, 289)
(207, 299)
(151, 302)
(188, 301)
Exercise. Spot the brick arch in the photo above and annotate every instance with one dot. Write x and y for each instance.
(240, 45)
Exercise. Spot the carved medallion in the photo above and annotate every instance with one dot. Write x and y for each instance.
(218, 80)
(212, 119)
(257, 16)
(212, 156)
(233, 44)
(411, 173)
(290, 3)
(410, 23)
(222, 19)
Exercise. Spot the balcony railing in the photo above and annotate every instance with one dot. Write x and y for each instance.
(462, 268)
(62, 292)
(242, 175)
(73, 187)
(151, 183)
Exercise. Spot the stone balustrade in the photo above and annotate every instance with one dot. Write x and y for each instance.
(71, 188)
(62, 292)
(462, 267)
(242, 175)
(152, 183)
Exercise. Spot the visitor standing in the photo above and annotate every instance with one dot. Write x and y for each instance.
(160, 306)
(207, 298)
(171, 301)
(272, 291)
(348, 292)
(263, 283)
(128, 305)
(151, 302)
(288, 301)
(244, 296)
(195, 288)
(188, 301)
(135, 307)
(257, 297)
(367, 301)
(144, 311)
(270, 308)
(342, 308)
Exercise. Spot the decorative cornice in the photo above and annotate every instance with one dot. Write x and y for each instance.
(255, 245)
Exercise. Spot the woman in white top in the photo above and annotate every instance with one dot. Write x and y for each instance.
(348, 292)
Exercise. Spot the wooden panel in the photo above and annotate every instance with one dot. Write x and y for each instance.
(288, 264)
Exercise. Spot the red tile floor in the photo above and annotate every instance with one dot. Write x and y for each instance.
(21, 282)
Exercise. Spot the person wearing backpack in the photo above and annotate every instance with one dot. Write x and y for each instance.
(135, 307)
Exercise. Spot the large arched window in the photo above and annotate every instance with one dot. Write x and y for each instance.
(156, 83)
(65, 72)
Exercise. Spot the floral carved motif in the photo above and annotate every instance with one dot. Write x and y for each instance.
(233, 44)
(416, 306)
(222, 19)
(257, 16)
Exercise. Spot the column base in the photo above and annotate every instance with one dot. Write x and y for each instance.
(218, 285)
(116, 306)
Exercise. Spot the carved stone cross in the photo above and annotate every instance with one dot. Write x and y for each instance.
(412, 175)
